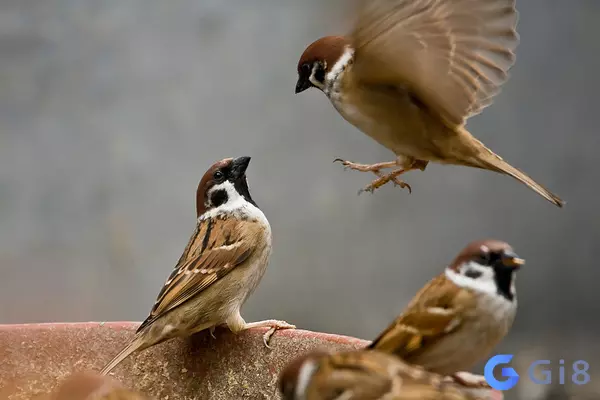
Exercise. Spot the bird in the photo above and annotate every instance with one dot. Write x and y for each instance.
(366, 375)
(411, 73)
(91, 386)
(457, 318)
(219, 269)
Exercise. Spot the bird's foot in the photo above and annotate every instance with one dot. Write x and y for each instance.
(383, 179)
(274, 326)
(470, 380)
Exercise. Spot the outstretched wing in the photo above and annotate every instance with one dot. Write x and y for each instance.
(217, 246)
(452, 54)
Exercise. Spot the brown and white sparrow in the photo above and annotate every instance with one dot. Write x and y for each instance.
(88, 386)
(221, 266)
(412, 72)
(366, 375)
(461, 315)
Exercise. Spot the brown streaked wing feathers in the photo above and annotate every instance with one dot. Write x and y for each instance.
(217, 246)
(452, 54)
(433, 312)
(358, 372)
(371, 375)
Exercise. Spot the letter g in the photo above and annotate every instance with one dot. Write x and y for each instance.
(509, 373)
(545, 373)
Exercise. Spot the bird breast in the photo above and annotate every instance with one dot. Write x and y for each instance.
(389, 115)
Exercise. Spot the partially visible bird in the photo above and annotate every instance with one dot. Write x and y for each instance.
(89, 386)
(367, 375)
(221, 265)
(410, 75)
(461, 315)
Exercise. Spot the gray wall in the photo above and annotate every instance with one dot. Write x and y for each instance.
(111, 111)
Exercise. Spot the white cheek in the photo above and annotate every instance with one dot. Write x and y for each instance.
(304, 377)
(484, 284)
(236, 203)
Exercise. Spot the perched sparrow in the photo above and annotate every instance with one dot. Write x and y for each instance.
(221, 266)
(412, 72)
(366, 375)
(459, 316)
(93, 387)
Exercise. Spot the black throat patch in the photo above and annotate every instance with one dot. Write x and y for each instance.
(241, 186)
(503, 278)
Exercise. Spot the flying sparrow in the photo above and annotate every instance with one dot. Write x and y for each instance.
(366, 375)
(221, 266)
(88, 386)
(459, 316)
(411, 73)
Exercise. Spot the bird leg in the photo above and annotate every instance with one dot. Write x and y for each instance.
(237, 324)
(385, 178)
(405, 164)
(367, 167)
(376, 169)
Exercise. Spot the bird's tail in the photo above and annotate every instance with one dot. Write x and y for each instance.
(491, 161)
(136, 344)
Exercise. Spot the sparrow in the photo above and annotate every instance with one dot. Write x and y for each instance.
(459, 316)
(88, 386)
(411, 73)
(365, 375)
(221, 265)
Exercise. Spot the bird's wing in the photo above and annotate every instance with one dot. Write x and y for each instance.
(353, 376)
(434, 312)
(452, 54)
(373, 375)
(217, 246)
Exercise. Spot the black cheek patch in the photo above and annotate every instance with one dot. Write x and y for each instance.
(473, 274)
(320, 73)
(218, 197)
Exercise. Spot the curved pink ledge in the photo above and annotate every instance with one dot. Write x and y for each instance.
(36, 357)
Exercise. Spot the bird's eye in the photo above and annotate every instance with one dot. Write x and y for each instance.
(485, 258)
(305, 69)
(218, 175)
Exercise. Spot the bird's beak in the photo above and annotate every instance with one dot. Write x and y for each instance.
(511, 260)
(302, 85)
(239, 166)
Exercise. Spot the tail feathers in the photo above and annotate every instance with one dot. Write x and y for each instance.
(136, 344)
(495, 163)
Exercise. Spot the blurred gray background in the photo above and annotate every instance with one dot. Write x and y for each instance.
(111, 111)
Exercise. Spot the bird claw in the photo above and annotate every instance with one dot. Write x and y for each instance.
(402, 184)
(382, 180)
(212, 332)
(346, 164)
(367, 188)
(275, 327)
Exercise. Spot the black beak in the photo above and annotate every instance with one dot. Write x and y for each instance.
(239, 166)
(302, 85)
(511, 260)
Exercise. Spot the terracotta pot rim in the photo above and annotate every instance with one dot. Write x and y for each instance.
(299, 333)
